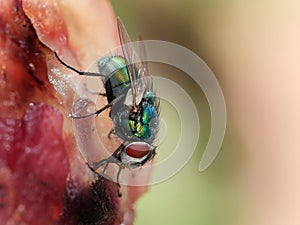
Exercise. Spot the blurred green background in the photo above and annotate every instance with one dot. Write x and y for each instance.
(189, 197)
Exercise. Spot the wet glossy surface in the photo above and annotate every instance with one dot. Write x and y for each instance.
(137, 149)
(42, 178)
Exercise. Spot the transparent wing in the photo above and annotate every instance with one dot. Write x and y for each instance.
(128, 54)
(136, 66)
(143, 56)
(144, 67)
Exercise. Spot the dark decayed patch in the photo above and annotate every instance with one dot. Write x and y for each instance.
(95, 204)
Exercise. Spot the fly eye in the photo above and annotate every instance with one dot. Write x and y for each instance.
(137, 149)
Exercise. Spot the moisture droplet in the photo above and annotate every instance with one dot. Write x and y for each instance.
(82, 107)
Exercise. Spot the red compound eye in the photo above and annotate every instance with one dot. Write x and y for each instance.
(137, 149)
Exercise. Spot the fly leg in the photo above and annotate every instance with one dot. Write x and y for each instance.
(118, 182)
(114, 158)
(94, 113)
(99, 110)
(96, 165)
(111, 132)
(78, 71)
(93, 92)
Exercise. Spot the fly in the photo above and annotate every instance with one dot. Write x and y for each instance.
(133, 105)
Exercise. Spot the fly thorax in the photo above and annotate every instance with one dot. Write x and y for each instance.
(109, 65)
(141, 123)
(116, 80)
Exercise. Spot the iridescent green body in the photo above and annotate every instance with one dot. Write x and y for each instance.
(117, 79)
(129, 125)
(140, 125)
(134, 110)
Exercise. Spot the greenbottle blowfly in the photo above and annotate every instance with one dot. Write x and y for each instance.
(132, 101)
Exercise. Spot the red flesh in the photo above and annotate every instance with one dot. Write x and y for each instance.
(31, 137)
(41, 179)
(33, 160)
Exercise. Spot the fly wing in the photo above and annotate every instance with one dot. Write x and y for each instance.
(128, 54)
(144, 66)
(136, 67)
(143, 56)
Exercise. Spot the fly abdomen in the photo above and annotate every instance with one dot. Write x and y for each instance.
(117, 80)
